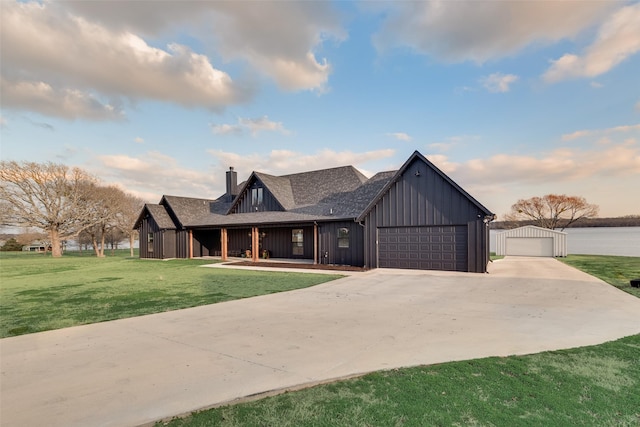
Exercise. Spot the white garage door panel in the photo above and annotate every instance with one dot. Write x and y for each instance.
(530, 246)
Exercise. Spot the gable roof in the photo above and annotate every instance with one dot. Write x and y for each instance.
(323, 195)
(348, 204)
(532, 228)
(187, 211)
(400, 172)
(159, 215)
(305, 188)
(310, 187)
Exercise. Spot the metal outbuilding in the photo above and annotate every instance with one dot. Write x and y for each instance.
(532, 241)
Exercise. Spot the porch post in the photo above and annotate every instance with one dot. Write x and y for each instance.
(315, 243)
(223, 243)
(255, 244)
(190, 243)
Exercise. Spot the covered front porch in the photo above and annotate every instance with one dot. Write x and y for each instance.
(293, 243)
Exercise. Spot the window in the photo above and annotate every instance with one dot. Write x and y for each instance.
(297, 241)
(150, 242)
(343, 237)
(256, 196)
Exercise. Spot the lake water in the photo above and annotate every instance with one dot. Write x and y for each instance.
(596, 240)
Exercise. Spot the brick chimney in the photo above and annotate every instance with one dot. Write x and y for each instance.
(232, 183)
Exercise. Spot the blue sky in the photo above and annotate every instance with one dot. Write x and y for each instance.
(510, 99)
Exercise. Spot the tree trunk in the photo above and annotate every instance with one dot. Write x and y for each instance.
(56, 251)
(131, 244)
(94, 241)
(102, 233)
(102, 243)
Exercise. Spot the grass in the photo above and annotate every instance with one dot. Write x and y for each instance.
(493, 256)
(615, 270)
(589, 386)
(40, 293)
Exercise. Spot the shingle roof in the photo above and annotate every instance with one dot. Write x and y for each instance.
(305, 189)
(348, 204)
(188, 211)
(280, 187)
(322, 195)
(159, 215)
(268, 217)
(311, 187)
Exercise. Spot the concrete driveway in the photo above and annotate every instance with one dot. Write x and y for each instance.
(134, 371)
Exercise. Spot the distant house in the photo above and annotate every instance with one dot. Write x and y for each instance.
(415, 217)
(36, 247)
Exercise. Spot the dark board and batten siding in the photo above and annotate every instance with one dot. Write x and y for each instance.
(269, 203)
(238, 240)
(278, 241)
(329, 251)
(182, 244)
(163, 245)
(421, 197)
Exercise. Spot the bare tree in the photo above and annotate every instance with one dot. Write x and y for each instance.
(29, 237)
(553, 210)
(112, 212)
(104, 205)
(50, 197)
(130, 207)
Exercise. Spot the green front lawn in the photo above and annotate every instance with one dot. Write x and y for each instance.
(39, 293)
(615, 270)
(589, 386)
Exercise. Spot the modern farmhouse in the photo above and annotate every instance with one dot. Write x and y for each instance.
(415, 217)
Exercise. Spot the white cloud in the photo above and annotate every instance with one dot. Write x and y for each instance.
(139, 140)
(400, 136)
(498, 82)
(600, 132)
(56, 102)
(277, 39)
(263, 124)
(226, 129)
(451, 142)
(91, 54)
(617, 39)
(3, 122)
(622, 159)
(602, 174)
(254, 126)
(596, 85)
(478, 31)
(154, 174)
(47, 49)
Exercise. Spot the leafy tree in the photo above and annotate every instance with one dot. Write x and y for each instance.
(552, 211)
(11, 245)
(50, 197)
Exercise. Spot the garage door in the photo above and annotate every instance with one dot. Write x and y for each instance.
(530, 246)
(423, 248)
